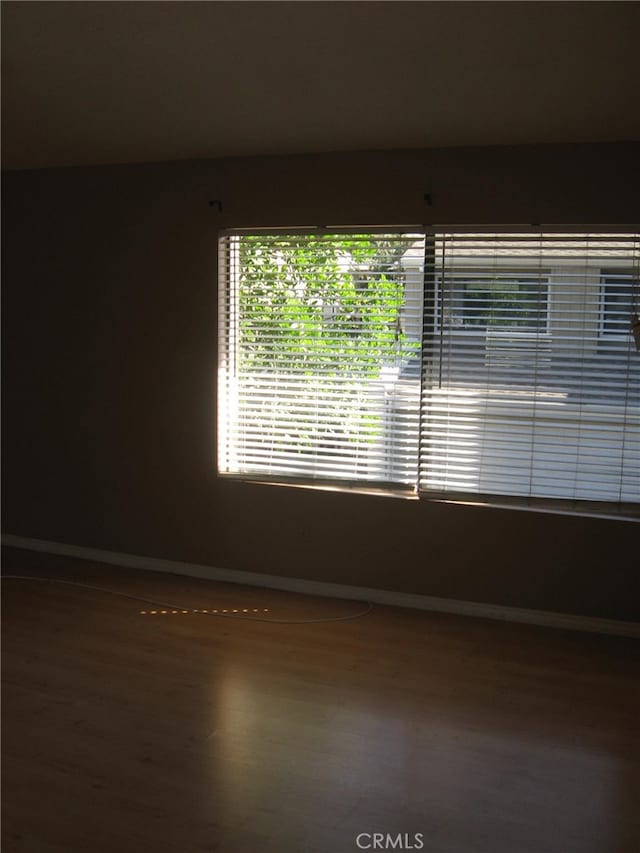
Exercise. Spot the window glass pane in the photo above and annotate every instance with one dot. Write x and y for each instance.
(532, 384)
(617, 302)
(504, 301)
(320, 330)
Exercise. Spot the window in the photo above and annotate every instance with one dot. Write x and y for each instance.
(447, 364)
(315, 331)
(506, 299)
(617, 297)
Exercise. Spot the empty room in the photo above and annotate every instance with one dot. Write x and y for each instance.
(321, 427)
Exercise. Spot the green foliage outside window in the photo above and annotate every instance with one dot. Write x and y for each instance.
(320, 305)
(319, 318)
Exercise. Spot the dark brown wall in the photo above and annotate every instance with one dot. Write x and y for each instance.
(110, 362)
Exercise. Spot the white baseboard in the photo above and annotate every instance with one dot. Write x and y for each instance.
(333, 590)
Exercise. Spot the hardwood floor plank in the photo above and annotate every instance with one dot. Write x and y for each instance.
(182, 733)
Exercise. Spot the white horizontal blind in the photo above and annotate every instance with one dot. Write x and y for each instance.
(532, 378)
(319, 363)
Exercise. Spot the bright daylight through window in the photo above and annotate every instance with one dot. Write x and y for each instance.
(450, 364)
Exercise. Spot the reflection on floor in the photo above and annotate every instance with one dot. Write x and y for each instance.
(195, 732)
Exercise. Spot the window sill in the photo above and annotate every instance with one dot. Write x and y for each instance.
(542, 507)
(329, 486)
(628, 512)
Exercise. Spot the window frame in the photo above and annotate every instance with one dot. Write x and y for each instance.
(547, 504)
(227, 256)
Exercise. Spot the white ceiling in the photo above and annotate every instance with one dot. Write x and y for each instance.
(87, 83)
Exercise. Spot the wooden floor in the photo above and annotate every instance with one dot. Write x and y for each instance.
(181, 733)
